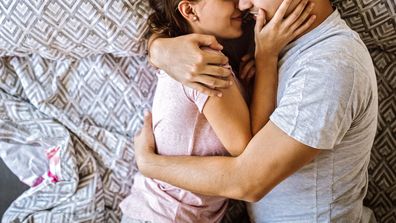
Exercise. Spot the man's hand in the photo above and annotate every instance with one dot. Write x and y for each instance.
(281, 30)
(144, 142)
(184, 60)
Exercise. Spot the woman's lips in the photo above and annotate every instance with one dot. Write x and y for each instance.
(239, 17)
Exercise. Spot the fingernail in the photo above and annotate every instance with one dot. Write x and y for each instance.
(219, 95)
(145, 112)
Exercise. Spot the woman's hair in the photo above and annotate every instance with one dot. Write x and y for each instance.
(166, 18)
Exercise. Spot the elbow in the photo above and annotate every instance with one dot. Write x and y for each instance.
(243, 186)
(257, 125)
(248, 190)
(250, 194)
(143, 164)
(239, 144)
(252, 198)
(255, 129)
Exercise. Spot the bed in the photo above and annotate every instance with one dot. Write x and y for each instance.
(74, 81)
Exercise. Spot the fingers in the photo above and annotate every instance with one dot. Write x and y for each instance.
(246, 69)
(147, 120)
(295, 15)
(247, 57)
(213, 57)
(281, 12)
(213, 82)
(147, 125)
(215, 71)
(260, 21)
(251, 73)
(206, 90)
(245, 60)
(207, 40)
(303, 17)
(304, 27)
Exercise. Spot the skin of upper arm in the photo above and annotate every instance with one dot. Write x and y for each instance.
(230, 119)
(270, 157)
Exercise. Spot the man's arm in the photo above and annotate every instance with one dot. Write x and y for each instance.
(183, 59)
(279, 32)
(269, 158)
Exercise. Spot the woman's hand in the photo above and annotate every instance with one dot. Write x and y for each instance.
(247, 69)
(184, 60)
(271, 38)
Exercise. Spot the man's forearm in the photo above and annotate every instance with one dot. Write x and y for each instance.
(270, 157)
(215, 178)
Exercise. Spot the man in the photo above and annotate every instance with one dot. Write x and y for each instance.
(309, 162)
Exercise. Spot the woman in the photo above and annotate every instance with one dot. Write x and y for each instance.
(187, 122)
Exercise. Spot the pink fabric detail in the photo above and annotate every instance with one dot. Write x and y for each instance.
(54, 164)
(53, 177)
(54, 171)
(38, 181)
(51, 152)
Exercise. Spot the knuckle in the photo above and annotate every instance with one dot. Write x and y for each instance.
(212, 83)
(200, 89)
(200, 59)
(189, 77)
(194, 70)
(220, 70)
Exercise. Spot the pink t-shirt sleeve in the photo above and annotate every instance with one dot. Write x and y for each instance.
(198, 98)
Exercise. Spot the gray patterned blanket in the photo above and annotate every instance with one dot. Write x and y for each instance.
(74, 82)
(89, 110)
(66, 129)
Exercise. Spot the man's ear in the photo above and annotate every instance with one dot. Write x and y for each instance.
(186, 9)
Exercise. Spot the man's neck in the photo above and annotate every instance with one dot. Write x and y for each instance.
(322, 11)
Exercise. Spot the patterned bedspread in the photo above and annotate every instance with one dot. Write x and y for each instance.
(89, 109)
(85, 113)
(74, 82)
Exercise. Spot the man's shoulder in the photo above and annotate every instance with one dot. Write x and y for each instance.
(335, 40)
(342, 53)
(338, 47)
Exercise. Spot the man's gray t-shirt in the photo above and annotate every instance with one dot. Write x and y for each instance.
(327, 99)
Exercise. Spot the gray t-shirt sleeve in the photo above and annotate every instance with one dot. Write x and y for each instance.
(315, 108)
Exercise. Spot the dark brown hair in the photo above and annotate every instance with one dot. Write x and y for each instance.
(166, 18)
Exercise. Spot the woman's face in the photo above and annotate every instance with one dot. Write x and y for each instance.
(220, 18)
